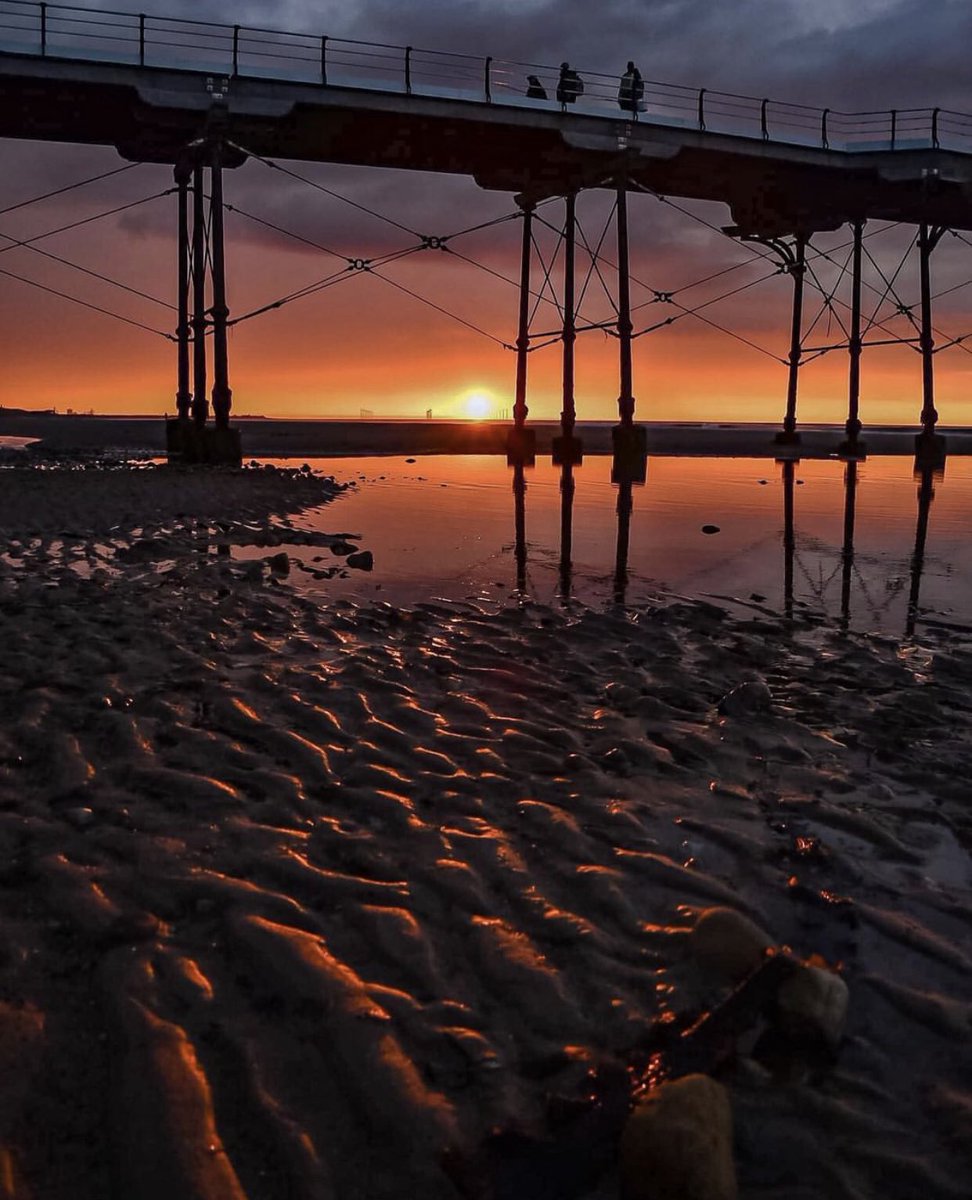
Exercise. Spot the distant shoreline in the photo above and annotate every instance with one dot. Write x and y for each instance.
(269, 437)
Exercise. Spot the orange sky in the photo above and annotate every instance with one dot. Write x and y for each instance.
(362, 344)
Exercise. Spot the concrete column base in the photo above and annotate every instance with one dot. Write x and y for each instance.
(568, 451)
(630, 463)
(930, 450)
(186, 442)
(521, 447)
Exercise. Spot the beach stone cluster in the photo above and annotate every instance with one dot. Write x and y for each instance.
(677, 1143)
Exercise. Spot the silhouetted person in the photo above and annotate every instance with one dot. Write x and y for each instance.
(631, 93)
(535, 90)
(569, 86)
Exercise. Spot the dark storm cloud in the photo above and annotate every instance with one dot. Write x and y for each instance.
(850, 52)
(852, 55)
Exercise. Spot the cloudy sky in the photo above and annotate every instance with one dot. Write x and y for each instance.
(366, 344)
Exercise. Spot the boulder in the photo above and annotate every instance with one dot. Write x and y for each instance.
(728, 945)
(812, 1003)
(677, 1144)
(364, 560)
(279, 563)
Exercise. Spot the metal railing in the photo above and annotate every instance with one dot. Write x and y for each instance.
(65, 31)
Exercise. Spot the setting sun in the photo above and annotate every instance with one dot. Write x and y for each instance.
(478, 405)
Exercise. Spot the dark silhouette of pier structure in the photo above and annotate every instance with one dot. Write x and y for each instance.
(206, 97)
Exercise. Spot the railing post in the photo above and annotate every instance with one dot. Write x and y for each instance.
(408, 70)
(762, 120)
(894, 126)
(934, 128)
(824, 141)
(43, 31)
(702, 109)
(141, 39)
(324, 61)
(236, 50)
(489, 92)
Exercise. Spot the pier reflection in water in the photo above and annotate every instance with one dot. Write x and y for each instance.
(875, 604)
(867, 545)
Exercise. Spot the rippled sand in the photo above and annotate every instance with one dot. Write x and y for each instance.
(304, 901)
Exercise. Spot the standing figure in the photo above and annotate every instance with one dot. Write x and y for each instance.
(569, 86)
(631, 93)
(535, 89)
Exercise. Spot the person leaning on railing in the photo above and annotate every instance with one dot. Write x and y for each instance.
(569, 86)
(631, 93)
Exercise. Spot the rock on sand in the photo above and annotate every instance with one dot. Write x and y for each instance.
(728, 945)
(813, 1001)
(677, 1144)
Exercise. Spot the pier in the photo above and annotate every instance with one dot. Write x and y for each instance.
(205, 98)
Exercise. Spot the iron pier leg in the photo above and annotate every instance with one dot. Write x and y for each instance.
(928, 444)
(847, 553)
(222, 396)
(521, 444)
(852, 446)
(200, 405)
(626, 403)
(630, 441)
(567, 448)
(797, 266)
(183, 394)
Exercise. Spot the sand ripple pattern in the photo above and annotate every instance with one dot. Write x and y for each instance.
(301, 902)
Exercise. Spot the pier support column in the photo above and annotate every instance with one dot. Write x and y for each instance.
(521, 443)
(183, 394)
(852, 446)
(929, 445)
(222, 395)
(200, 404)
(567, 448)
(630, 441)
(795, 261)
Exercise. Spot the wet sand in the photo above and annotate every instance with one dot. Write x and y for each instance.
(320, 899)
(277, 438)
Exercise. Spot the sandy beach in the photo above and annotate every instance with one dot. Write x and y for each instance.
(304, 900)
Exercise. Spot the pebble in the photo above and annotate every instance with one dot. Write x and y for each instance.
(677, 1144)
(711, 529)
(728, 945)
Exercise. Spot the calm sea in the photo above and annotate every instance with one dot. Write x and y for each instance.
(872, 545)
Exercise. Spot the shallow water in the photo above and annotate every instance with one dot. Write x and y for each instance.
(445, 526)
